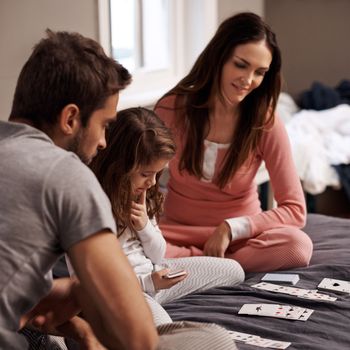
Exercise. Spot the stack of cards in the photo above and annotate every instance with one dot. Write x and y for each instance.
(335, 285)
(288, 312)
(289, 278)
(258, 341)
(298, 292)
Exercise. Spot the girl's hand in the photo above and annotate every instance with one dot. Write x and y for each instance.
(219, 241)
(139, 215)
(160, 282)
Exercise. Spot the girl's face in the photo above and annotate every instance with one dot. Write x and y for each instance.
(145, 177)
(244, 71)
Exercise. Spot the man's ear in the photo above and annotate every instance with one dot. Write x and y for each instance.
(69, 119)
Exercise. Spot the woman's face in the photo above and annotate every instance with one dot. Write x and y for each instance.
(145, 177)
(244, 71)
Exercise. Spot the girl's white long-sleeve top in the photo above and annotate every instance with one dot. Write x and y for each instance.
(144, 252)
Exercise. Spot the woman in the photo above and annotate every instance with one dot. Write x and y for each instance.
(223, 117)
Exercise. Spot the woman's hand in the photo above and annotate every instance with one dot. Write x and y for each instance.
(139, 215)
(219, 241)
(160, 282)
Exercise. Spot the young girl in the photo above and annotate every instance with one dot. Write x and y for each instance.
(139, 147)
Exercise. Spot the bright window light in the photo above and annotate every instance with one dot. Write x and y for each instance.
(156, 40)
(140, 34)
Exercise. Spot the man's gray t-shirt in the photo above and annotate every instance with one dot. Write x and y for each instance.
(49, 200)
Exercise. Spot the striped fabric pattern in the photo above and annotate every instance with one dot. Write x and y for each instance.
(186, 335)
(176, 335)
(203, 273)
(39, 341)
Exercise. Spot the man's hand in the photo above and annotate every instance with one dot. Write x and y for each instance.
(139, 215)
(219, 241)
(79, 330)
(160, 282)
(59, 306)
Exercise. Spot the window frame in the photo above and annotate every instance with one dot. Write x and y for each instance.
(192, 24)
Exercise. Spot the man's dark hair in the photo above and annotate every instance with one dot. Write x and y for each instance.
(66, 68)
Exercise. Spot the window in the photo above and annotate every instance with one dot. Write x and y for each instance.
(156, 40)
(140, 34)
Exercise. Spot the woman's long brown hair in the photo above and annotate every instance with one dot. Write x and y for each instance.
(136, 139)
(194, 93)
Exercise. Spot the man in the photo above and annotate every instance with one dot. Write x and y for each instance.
(51, 203)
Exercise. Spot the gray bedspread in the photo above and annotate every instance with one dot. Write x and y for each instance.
(327, 328)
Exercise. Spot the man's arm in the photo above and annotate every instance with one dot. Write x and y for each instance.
(55, 308)
(80, 330)
(110, 295)
(56, 314)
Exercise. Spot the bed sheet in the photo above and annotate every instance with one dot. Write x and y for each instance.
(326, 329)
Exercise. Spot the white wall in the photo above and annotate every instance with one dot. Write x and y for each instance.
(228, 8)
(209, 14)
(23, 24)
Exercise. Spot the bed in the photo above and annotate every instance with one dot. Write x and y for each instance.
(326, 329)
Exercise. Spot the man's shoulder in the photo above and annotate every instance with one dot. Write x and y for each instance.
(24, 140)
(33, 159)
(15, 130)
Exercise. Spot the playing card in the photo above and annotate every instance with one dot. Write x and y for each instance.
(272, 310)
(305, 315)
(275, 288)
(268, 343)
(299, 292)
(261, 342)
(289, 278)
(278, 344)
(315, 295)
(294, 313)
(335, 285)
(275, 310)
(242, 337)
(258, 341)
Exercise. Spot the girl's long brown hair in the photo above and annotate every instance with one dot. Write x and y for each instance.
(136, 139)
(194, 93)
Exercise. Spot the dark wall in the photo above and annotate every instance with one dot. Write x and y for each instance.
(314, 36)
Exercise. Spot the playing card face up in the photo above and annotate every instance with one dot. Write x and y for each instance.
(268, 343)
(288, 312)
(335, 285)
(242, 337)
(315, 295)
(298, 292)
(258, 341)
